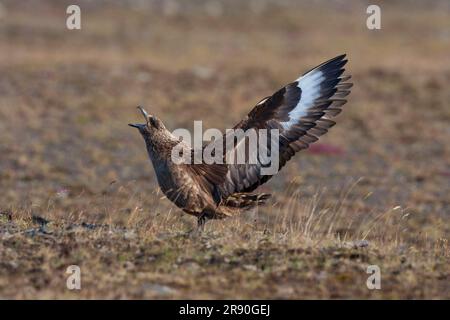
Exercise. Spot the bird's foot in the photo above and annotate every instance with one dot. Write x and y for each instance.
(198, 231)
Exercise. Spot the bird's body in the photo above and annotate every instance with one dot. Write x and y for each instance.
(181, 184)
(300, 112)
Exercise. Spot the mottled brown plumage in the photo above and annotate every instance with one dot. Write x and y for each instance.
(301, 111)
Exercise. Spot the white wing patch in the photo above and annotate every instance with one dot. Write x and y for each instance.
(310, 86)
(262, 101)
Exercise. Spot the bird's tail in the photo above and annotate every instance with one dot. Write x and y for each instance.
(246, 200)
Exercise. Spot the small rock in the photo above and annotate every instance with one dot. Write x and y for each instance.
(250, 267)
(285, 291)
(361, 243)
(158, 289)
(128, 265)
(356, 244)
(7, 235)
(62, 193)
(129, 235)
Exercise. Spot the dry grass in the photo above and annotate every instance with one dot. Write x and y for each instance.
(380, 176)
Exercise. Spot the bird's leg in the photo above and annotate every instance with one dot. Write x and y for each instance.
(201, 221)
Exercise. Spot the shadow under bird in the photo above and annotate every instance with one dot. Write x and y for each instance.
(301, 111)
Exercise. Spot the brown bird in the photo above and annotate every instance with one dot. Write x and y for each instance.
(301, 111)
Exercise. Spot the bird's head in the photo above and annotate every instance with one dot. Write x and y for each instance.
(151, 126)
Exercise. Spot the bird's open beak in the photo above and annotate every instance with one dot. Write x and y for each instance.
(144, 113)
(139, 125)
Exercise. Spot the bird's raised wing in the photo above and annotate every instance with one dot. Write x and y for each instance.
(301, 111)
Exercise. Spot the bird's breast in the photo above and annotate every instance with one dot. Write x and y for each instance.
(179, 187)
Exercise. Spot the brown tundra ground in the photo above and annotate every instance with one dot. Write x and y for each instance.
(76, 187)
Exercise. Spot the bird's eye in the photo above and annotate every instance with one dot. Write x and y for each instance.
(154, 122)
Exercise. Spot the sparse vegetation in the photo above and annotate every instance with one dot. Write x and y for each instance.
(76, 186)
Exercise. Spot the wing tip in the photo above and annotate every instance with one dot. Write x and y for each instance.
(341, 58)
(334, 64)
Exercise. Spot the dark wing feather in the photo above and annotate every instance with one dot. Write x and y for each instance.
(301, 111)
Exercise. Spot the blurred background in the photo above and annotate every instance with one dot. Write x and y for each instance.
(66, 97)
